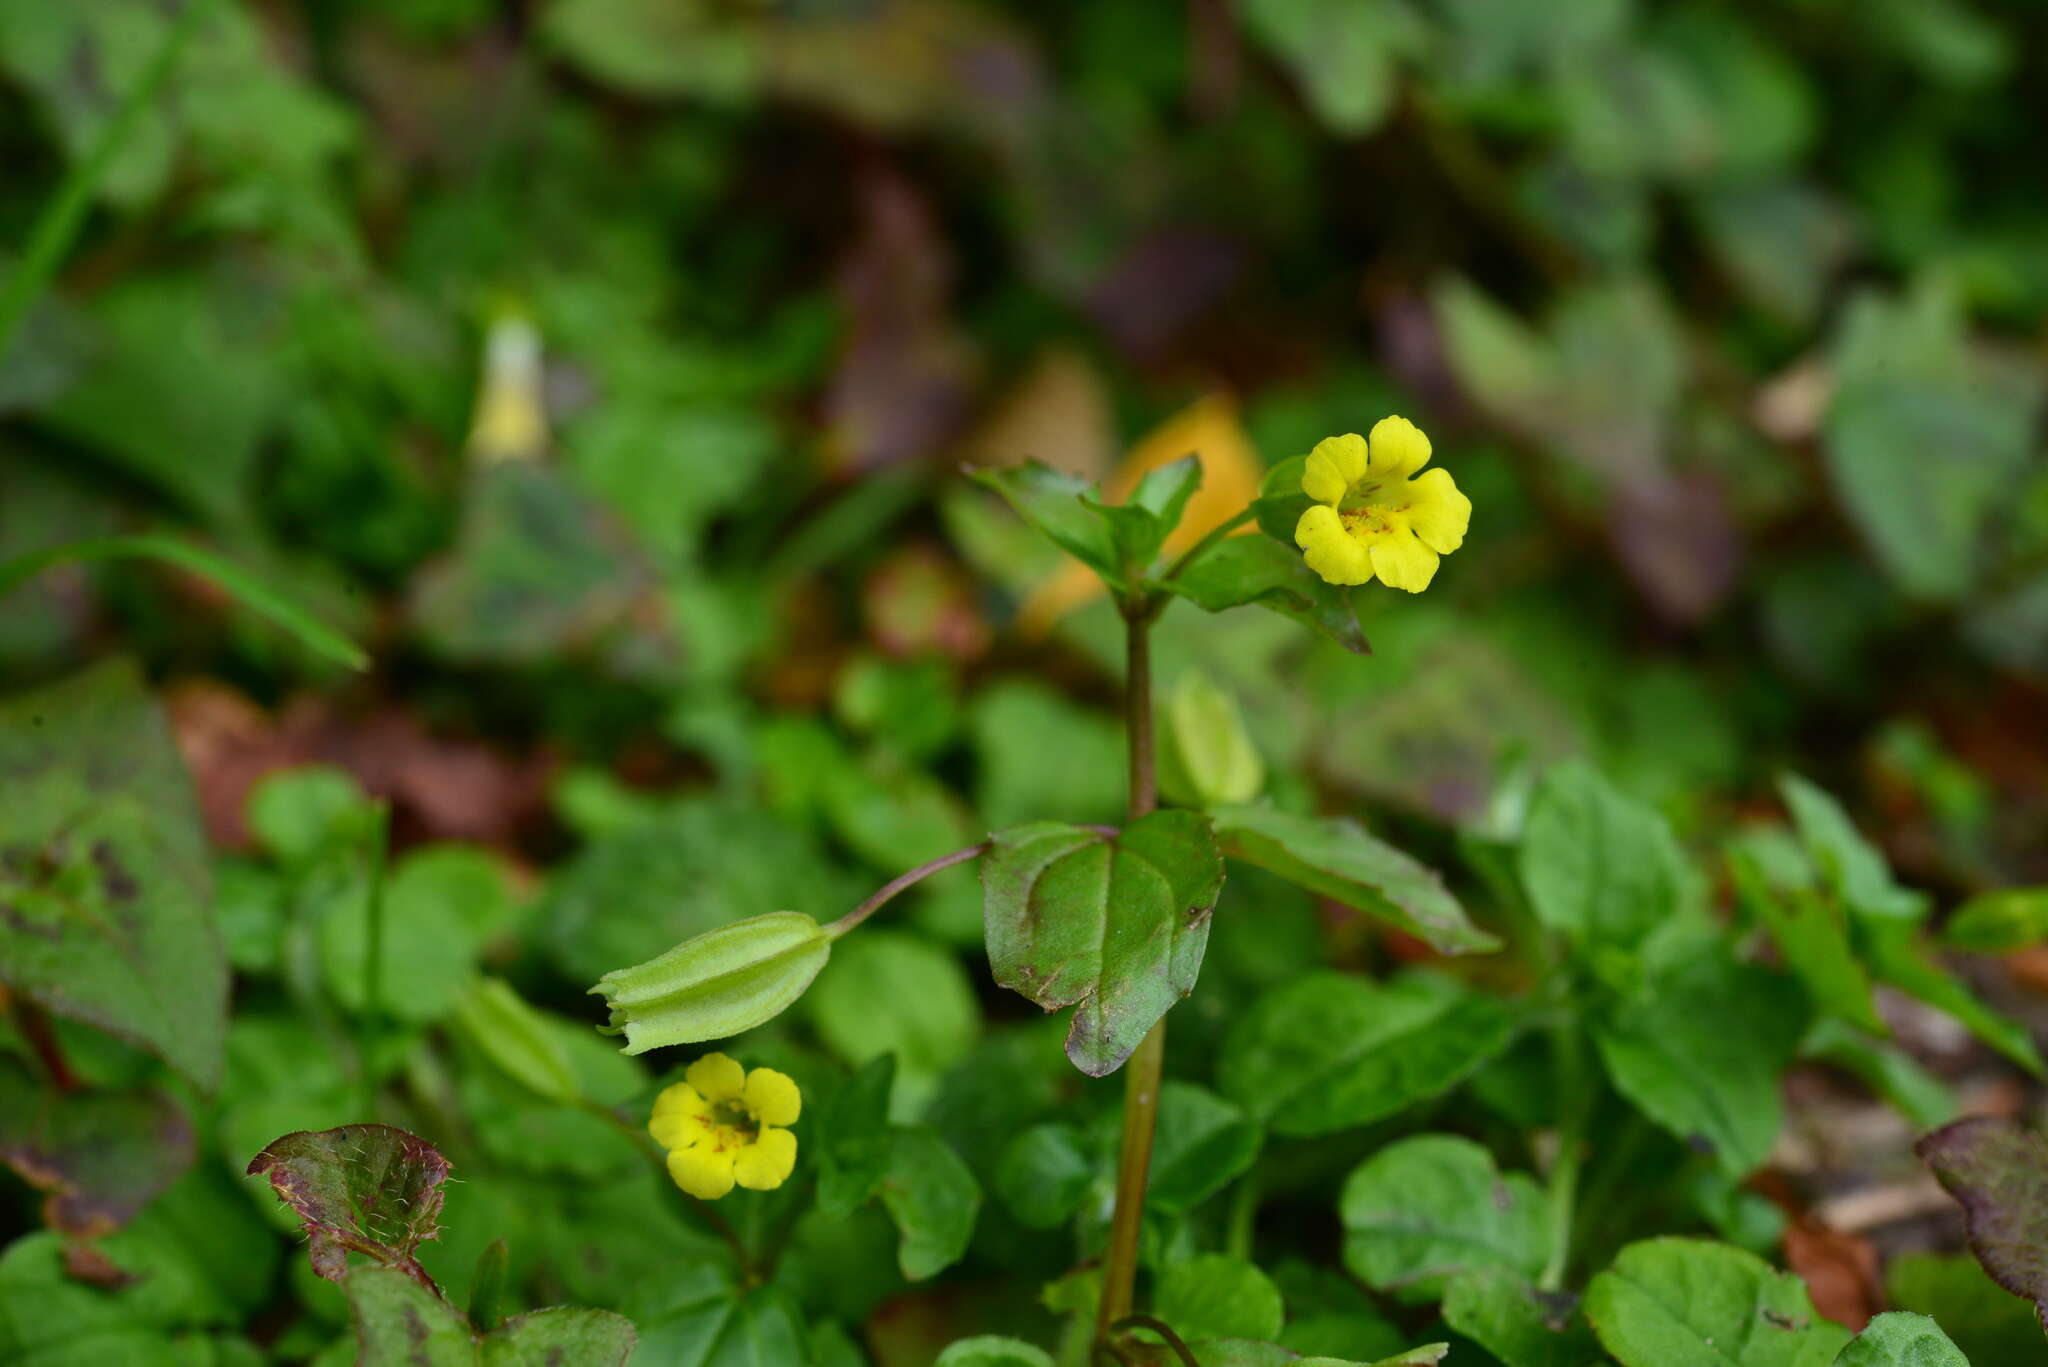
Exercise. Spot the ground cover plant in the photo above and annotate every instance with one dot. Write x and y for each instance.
(752, 682)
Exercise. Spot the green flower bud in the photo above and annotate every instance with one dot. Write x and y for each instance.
(716, 984)
(514, 1036)
(1207, 758)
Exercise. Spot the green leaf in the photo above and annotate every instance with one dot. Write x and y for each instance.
(104, 875)
(1901, 1339)
(401, 1323)
(992, 1350)
(1337, 858)
(1044, 1173)
(494, 1018)
(1329, 1051)
(1998, 1170)
(1508, 1318)
(1852, 866)
(299, 814)
(1667, 1301)
(251, 591)
(1423, 1210)
(2000, 921)
(557, 1337)
(1700, 1053)
(1215, 1295)
(702, 1320)
(1924, 1099)
(933, 1198)
(1115, 924)
(1908, 385)
(1899, 956)
(1139, 527)
(890, 992)
(1201, 1144)
(442, 904)
(1247, 569)
(1064, 509)
(99, 1157)
(1344, 54)
(1281, 502)
(1813, 936)
(1599, 866)
(1988, 1323)
(851, 1132)
(719, 983)
(49, 1319)
(368, 1189)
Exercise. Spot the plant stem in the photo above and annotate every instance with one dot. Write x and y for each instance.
(373, 956)
(897, 884)
(1147, 1062)
(49, 241)
(1568, 1053)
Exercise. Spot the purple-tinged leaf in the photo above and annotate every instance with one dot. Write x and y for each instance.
(1998, 1170)
(100, 1156)
(368, 1189)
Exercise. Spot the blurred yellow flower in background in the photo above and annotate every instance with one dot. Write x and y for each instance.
(724, 1125)
(1374, 516)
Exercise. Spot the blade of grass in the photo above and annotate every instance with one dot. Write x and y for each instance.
(56, 228)
(252, 592)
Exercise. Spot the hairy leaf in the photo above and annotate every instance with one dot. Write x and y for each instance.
(368, 1189)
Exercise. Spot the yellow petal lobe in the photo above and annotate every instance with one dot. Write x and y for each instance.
(766, 1163)
(773, 1097)
(1438, 511)
(1333, 467)
(1402, 562)
(705, 1173)
(681, 1117)
(1329, 549)
(717, 1078)
(1398, 449)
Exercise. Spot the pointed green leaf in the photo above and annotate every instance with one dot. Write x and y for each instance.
(1337, 858)
(1063, 507)
(1329, 1051)
(1115, 924)
(1598, 865)
(1247, 569)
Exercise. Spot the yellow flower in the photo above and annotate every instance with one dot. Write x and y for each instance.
(723, 1125)
(1370, 517)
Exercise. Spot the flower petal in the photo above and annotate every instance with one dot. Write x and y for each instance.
(681, 1117)
(773, 1097)
(1333, 467)
(766, 1163)
(1330, 550)
(1398, 449)
(705, 1173)
(1438, 510)
(1402, 562)
(717, 1077)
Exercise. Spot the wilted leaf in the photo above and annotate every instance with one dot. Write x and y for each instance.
(1329, 1051)
(99, 1156)
(105, 894)
(1337, 858)
(1998, 1170)
(368, 1189)
(1116, 924)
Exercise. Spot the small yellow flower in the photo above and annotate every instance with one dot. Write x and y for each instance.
(1370, 517)
(723, 1125)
